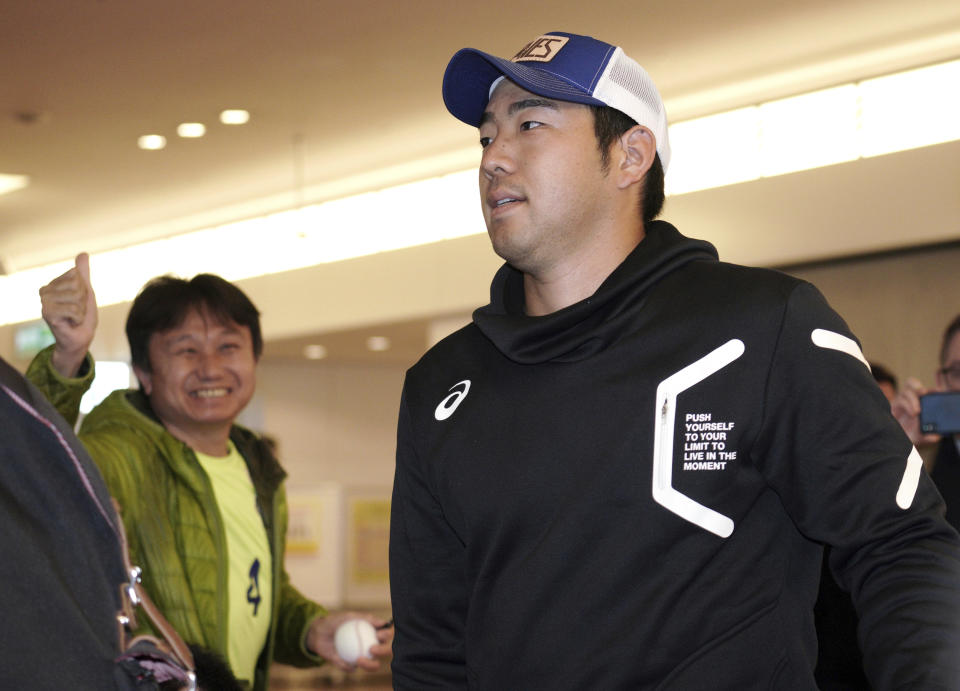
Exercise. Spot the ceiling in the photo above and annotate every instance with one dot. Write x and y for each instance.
(347, 94)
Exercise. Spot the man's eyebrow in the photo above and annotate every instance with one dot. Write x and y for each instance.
(180, 339)
(517, 106)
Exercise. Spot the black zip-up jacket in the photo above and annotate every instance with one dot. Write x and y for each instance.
(633, 492)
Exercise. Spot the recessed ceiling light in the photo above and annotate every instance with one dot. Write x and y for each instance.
(315, 352)
(378, 343)
(152, 142)
(234, 117)
(191, 130)
(11, 183)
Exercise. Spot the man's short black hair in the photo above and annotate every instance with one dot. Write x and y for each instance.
(608, 124)
(164, 303)
(952, 330)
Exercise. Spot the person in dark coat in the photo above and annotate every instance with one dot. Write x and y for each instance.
(62, 571)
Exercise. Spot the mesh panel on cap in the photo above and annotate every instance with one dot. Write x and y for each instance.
(627, 87)
(630, 76)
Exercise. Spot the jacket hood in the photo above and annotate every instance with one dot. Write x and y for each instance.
(586, 327)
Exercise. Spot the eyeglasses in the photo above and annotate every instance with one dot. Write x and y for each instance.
(951, 375)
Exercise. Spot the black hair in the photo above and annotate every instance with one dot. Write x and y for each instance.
(608, 124)
(881, 374)
(164, 303)
(952, 330)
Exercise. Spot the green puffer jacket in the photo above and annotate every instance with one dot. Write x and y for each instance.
(171, 517)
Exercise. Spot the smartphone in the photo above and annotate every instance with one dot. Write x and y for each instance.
(940, 413)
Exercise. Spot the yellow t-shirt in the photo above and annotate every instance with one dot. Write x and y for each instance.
(249, 580)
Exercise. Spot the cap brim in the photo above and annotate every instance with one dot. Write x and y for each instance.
(467, 80)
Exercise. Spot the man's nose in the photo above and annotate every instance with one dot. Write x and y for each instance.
(498, 157)
(210, 364)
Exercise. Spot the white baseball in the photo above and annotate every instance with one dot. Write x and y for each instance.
(353, 639)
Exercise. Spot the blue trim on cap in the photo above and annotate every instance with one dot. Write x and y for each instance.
(570, 76)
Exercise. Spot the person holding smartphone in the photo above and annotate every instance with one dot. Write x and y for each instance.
(943, 460)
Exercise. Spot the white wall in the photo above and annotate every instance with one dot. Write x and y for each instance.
(334, 423)
(898, 305)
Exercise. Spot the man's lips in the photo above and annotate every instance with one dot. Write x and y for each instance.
(503, 199)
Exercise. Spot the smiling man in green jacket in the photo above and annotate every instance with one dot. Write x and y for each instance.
(202, 498)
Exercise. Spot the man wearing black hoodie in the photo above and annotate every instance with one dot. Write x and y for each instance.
(622, 473)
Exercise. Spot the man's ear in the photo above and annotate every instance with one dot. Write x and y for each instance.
(637, 148)
(145, 379)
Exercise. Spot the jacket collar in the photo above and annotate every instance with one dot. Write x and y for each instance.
(586, 327)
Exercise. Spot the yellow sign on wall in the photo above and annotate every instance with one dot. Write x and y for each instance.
(370, 535)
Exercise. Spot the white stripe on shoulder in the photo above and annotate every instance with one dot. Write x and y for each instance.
(834, 341)
(910, 481)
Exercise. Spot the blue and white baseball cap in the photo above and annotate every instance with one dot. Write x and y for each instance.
(565, 67)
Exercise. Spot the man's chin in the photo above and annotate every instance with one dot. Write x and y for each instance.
(506, 247)
(214, 414)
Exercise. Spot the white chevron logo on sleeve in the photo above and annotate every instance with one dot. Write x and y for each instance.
(667, 392)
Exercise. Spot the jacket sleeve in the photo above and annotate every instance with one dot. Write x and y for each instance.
(119, 460)
(850, 478)
(295, 612)
(427, 577)
(115, 457)
(63, 393)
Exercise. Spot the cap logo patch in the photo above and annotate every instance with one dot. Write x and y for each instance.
(543, 49)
